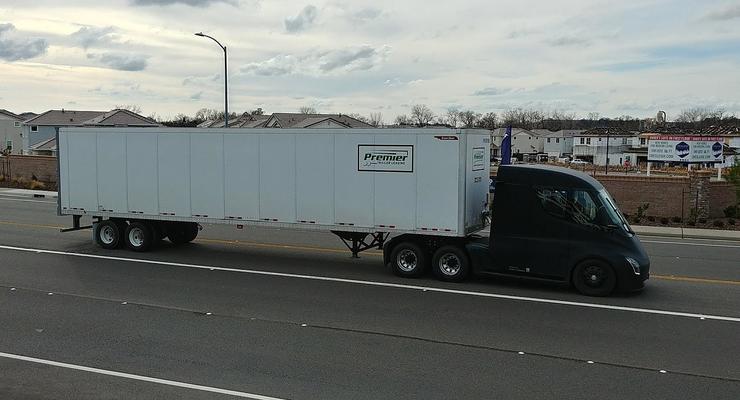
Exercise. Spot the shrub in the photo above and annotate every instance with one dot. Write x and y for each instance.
(664, 221)
(641, 210)
(702, 220)
(730, 212)
(718, 223)
(691, 222)
(37, 185)
(2, 178)
(730, 221)
(637, 220)
(651, 218)
(676, 220)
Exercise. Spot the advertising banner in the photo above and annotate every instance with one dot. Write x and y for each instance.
(686, 149)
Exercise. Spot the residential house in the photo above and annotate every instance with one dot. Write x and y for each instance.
(10, 132)
(593, 145)
(290, 120)
(558, 144)
(40, 129)
(245, 120)
(526, 145)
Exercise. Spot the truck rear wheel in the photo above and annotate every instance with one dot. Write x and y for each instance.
(181, 232)
(108, 234)
(139, 236)
(594, 278)
(408, 260)
(450, 263)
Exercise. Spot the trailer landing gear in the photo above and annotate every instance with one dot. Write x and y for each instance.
(357, 242)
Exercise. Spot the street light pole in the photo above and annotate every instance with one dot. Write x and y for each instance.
(606, 168)
(226, 78)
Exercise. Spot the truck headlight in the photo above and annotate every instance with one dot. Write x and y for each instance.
(634, 264)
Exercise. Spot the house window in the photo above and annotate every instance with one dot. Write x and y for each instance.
(642, 141)
(548, 140)
(583, 140)
(9, 145)
(557, 140)
(588, 140)
(17, 124)
(34, 128)
(624, 140)
(599, 139)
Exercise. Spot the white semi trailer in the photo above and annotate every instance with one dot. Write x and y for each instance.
(142, 184)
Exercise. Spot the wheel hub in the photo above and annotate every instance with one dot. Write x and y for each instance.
(407, 260)
(136, 237)
(449, 264)
(107, 235)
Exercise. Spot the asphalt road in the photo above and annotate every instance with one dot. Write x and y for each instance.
(288, 315)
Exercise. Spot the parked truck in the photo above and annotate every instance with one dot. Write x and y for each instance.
(427, 188)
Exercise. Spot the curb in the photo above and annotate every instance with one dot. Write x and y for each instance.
(38, 194)
(689, 233)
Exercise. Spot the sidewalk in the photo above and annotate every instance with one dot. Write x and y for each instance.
(686, 233)
(29, 193)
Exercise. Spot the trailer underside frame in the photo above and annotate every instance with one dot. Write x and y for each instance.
(357, 242)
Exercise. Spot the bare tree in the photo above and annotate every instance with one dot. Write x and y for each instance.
(593, 116)
(488, 121)
(376, 119)
(130, 107)
(258, 111)
(452, 117)
(421, 114)
(307, 110)
(360, 117)
(469, 118)
(403, 119)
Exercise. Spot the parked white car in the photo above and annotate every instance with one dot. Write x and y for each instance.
(578, 162)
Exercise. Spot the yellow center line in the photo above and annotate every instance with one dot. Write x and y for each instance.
(695, 280)
(369, 253)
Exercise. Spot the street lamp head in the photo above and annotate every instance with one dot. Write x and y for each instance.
(199, 34)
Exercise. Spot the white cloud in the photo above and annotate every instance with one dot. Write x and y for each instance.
(319, 63)
(14, 46)
(121, 62)
(88, 36)
(303, 20)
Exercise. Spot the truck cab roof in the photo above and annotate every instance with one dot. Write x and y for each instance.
(538, 175)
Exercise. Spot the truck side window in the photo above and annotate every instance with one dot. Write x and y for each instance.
(583, 208)
(554, 201)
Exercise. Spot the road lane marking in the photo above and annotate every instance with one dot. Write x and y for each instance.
(138, 377)
(692, 244)
(385, 284)
(692, 279)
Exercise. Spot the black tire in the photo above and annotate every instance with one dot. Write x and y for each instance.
(451, 263)
(408, 260)
(181, 232)
(594, 278)
(108, 234)
(139, 236)
(122, 225)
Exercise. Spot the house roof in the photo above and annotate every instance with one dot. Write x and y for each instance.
(10, 114)
(603, 131)
(308, 122)
(120, 117)
(63, 117)
(245, 120)
(47, 144)
(295, 120)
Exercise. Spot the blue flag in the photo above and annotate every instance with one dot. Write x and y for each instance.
(506, 148)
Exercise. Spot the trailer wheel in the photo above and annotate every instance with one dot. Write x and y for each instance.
(108, 234)
(139, 236)
(594, 278)
(408, 260)
(451, 263)
(181, 232)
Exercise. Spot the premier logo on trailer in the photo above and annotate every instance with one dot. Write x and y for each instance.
(385, 158)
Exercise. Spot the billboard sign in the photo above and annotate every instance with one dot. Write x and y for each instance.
(686, 149)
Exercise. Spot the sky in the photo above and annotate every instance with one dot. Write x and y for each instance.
(615, 58)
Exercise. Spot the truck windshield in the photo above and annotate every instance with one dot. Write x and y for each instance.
(612, 211)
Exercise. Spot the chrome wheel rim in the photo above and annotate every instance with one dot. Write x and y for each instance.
(107, 235)
(136, 237)
(449, 264)
(407, 260)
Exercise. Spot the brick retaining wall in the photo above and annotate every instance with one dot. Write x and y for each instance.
(25, 167)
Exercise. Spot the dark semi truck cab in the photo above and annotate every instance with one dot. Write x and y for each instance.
(548, 223)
